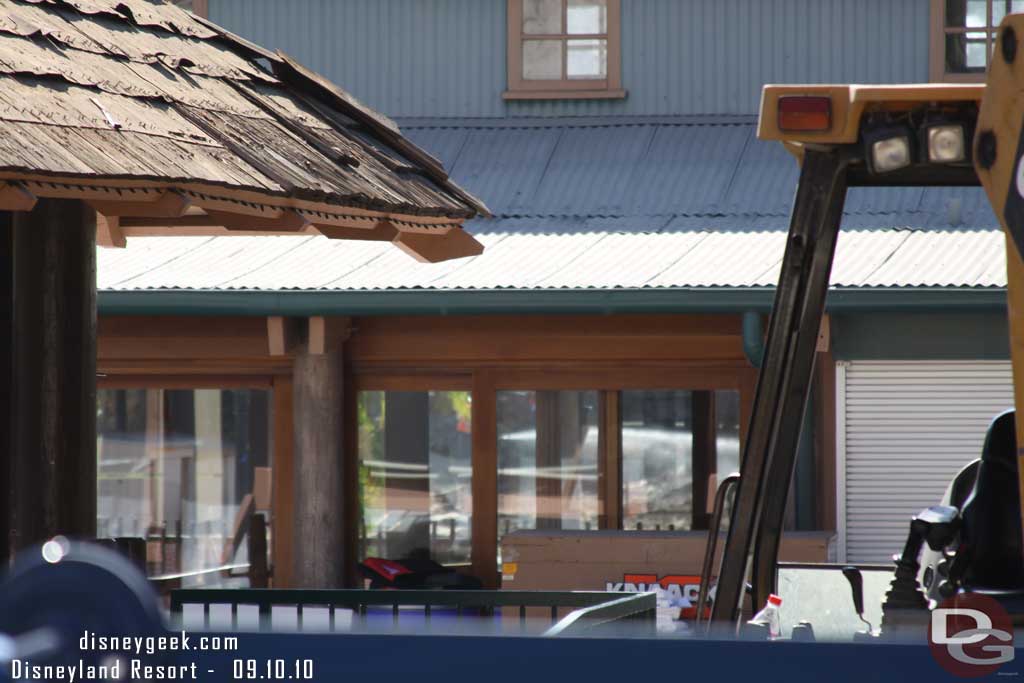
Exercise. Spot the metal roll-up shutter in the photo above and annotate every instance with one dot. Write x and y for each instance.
(904, 430)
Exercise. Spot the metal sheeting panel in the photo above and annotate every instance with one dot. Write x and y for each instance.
(447, 57)
(666, 174)
(906, 428)
(583, 260)
(944, 259)
(591, 169)
(403, 57)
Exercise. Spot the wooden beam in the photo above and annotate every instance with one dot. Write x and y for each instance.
(282, 335)
(429, 248)
(383, 231)
(205, 195)
(286, 221)
(109, 233)
(824, 344)
(16, 197)
(325, 334)
(504, 340)
(165, 205)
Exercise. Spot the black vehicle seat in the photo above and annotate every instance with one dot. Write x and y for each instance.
(991, 532)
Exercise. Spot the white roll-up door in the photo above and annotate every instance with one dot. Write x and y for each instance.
(904, 430)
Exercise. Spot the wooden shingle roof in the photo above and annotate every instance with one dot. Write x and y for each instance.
(168, 123)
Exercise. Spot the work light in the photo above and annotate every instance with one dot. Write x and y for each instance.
(889, 149)
(946, 143)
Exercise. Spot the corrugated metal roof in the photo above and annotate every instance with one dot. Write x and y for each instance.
(656, 175)
(864, 258)
(598, 204)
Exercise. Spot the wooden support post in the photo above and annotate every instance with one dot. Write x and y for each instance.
(318, 550)
(6, 384)
(610, 460)
(705, 456)
(283, 483)
(52, 430)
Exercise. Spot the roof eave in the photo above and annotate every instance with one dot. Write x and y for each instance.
(680, 300)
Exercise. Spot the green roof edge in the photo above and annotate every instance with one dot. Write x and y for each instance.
(531, 301)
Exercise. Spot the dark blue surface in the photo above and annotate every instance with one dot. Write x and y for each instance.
(529, 660)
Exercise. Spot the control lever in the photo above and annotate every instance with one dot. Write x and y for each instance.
(905, 606)
(856, 580)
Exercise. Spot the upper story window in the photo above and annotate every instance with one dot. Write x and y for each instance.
(559, 49)
(963, 35)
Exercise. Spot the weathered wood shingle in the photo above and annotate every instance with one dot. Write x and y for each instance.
(141, 90)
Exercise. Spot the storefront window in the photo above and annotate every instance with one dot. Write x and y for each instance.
(674, 444)
(184, 469)
(547, 460)
(415, 475)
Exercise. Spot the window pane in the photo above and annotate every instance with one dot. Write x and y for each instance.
(976, 57)
(727, 432)
(175, 467)
(965, 52)
(999, 9)
(415, 475)
(588, 59)
(542, 60)
(547, 460)
(969, 13)
(542, 17)
(657, 447)
(675, 444)
(588, 17)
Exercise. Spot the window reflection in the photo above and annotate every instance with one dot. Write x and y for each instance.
(415, 475)
(674, 444)
(184, 469)
(547, 460)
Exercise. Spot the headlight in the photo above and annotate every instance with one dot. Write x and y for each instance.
(946, 143)
(890, 153)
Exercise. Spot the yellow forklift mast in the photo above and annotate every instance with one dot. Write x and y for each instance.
(892, 135)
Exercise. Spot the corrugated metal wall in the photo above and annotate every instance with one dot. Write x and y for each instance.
(905, 430)
(412, 58)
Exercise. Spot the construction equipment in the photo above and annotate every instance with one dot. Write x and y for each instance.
(915, 135)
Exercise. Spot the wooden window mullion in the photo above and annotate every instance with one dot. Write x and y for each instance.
(610, 460)
(484, 534)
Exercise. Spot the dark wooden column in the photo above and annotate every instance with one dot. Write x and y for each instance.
(6, 383)
(318, 550)
(705, 455)
(49, 339)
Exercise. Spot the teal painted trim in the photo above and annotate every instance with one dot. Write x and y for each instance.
(753, 338)
(538, 301)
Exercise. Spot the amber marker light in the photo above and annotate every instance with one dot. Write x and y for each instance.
(804, 113)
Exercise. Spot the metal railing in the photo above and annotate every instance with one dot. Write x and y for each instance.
(591, 609)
